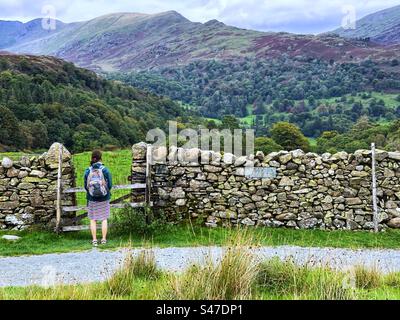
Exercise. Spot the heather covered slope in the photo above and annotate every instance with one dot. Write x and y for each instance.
(131, 41)
(381, 27)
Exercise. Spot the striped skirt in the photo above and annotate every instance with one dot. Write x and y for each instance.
(99, 211)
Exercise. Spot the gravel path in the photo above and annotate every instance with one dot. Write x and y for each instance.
(95, 265)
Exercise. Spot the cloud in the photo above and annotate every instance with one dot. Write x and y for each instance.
(300, 16)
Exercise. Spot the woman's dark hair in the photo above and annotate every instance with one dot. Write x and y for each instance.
(96, 156)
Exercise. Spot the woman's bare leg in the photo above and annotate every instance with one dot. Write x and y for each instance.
(104, 229)
(93, 229)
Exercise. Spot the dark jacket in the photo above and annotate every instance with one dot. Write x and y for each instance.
(107, 177)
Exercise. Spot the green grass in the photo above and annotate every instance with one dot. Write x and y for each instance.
(38, 242)
(119, 163)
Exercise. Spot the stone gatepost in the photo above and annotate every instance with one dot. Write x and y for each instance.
(28, 189)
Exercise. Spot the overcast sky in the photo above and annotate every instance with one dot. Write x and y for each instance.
(298, 16)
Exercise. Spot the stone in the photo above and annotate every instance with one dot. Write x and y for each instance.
(302, 191)
(394, 156)
(10, 238)
(22, 174)
(394, 223)
(177, 193)
(37, 173)
(13, 220)
(212, 169)
(12, 173)
(25, 161)
(285, 158)
(240, 161)
(297, 153)
(189, 155)
(35, 180)
(196, 184)
(248, 222)
(139, 151)
(178, 171)
(52, 156)
(260, 156)
(307, 223)
(7, 163)
(389, 173)
(9, 205)
(181, 202)
(353, 201)
(228, 158)
(291, 166)
(286, 217)
(381, 155)
(340, 156)
(359, 174)
(286, 181)
(36, 198)
(159, 154)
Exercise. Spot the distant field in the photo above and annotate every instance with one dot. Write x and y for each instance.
(119, 163)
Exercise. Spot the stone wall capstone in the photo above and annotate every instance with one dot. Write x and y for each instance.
(28, 189)
(310, 191)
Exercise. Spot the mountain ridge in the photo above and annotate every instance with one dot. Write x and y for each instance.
(382, 27)
(134, 41)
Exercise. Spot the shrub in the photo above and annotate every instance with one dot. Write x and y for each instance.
(139, 221)
(392, 280)
(289, 136)
(267, 145)
(288, 279)
(142, 266)
(231, 279)
(367, 278)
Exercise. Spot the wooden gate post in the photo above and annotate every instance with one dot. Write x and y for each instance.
(59, 177)
(149, 159)
(374, 191)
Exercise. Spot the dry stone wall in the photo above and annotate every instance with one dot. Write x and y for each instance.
(28, 189)
(310, 191)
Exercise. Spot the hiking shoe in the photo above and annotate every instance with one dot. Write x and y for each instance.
(95, 243)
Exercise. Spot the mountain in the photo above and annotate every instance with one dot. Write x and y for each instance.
(319, 82)
(45, 99)
(132, 41)
(381, 27)
(17, 33)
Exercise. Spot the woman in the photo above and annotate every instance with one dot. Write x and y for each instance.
(98, 184)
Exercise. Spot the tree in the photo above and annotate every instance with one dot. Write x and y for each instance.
(10, 131)
(266, 145)
(289, 136)
(230, 122)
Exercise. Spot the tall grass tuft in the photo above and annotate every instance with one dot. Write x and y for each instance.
(230, 279)
(392, 280)
(367, 278)
(286, 279)
(142, 266)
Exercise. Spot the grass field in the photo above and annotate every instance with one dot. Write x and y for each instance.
(119, 163)
(39, 242)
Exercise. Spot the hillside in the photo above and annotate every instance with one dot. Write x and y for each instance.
(44, 99)
(218, 70)
(132, 41)
(381, 27)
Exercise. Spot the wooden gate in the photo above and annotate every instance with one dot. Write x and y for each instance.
(115, 204)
